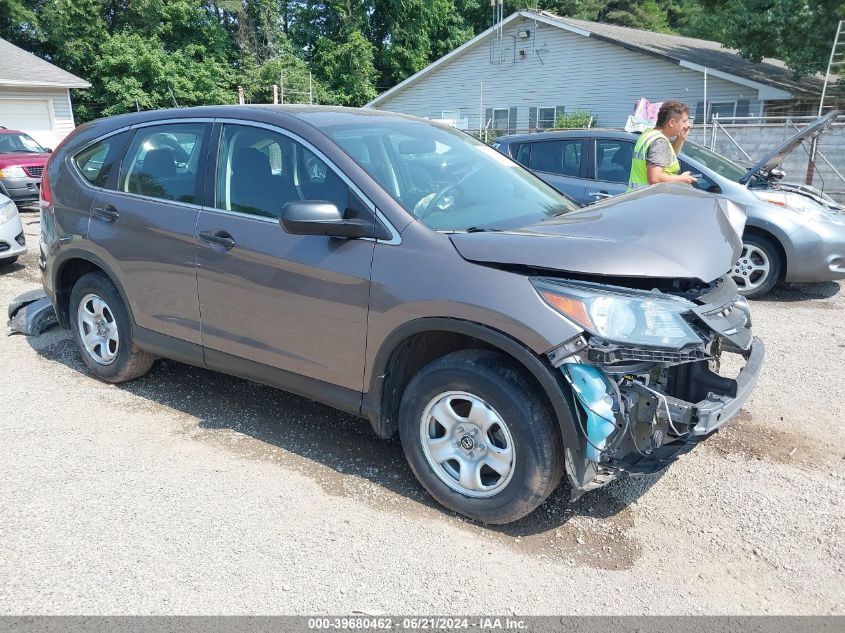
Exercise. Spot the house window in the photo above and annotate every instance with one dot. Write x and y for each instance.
(545, 118)
(500, 119)
(722, 108)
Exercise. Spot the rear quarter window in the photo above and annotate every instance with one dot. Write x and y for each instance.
(96, 161)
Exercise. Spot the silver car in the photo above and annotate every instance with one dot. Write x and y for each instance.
(792, 234)
(12, 240)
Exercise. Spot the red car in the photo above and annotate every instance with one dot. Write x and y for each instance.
(22, 160)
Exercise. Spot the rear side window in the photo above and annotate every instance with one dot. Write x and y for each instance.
(613, 160)
(523, 153)
(95, 162)
(259, 170)
(163, 160)
(557, 157)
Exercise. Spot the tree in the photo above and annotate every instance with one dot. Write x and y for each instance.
(19, 23)
(348, 68)
(410, 34)
(799, 32)
(286, 70)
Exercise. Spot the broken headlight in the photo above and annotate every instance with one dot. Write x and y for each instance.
(621, 315)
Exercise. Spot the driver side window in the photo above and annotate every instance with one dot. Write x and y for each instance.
(259, 170)
(702, 183)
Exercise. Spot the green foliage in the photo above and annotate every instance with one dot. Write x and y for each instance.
(139, 73)
(799, 32)
(285, 70)
(575, 120)
(348, 68)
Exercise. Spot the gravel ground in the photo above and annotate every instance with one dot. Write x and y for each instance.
(191, 492)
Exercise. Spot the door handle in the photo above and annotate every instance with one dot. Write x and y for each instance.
(600, 194)
(221, 238)
(107, 213)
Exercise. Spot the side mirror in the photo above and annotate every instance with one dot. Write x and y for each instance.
(777, 174)
(49, 150)
(318, 217)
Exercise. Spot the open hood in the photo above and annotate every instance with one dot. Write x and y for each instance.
(776, 156)
(663, 231)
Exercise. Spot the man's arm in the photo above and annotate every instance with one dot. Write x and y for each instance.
(658, 157)
(656, 174)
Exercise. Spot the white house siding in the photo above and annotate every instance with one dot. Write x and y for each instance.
(58, 108)
(577, 72)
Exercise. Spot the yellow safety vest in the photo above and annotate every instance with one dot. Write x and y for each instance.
(639, 167)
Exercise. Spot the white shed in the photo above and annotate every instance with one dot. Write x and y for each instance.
(35, 95)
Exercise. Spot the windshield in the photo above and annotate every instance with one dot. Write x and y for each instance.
(721, 165)
(17, 142)
(447, 179)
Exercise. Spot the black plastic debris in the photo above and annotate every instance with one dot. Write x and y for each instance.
(31, 314)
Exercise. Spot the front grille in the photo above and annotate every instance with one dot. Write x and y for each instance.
(4, 246)
(20, 239)
(35, 172)
(613, 354)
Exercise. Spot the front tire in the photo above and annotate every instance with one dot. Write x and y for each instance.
(758, 268)
(102, 330)
(479, 437)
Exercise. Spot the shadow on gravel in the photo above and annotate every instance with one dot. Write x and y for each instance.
(342, 443)
(9, 269)
(802, 292)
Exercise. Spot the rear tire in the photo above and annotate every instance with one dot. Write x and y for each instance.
(759, 267)
(102, 330)
(479, 437)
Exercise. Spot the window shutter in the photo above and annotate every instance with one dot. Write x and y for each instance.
(742, 107)
(559, 110)
(488, 118)
(532, 118)
(512, 119)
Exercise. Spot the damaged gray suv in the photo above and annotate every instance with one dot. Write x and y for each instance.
(401, 271)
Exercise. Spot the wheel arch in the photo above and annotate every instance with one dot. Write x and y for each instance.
(69, 270)
(418, 342)
(776, 241)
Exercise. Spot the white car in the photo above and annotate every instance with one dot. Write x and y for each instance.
(12, 240)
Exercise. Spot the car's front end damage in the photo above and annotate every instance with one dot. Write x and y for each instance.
(648, 311)
(644, 373)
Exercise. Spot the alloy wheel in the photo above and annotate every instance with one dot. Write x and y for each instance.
(752, 269)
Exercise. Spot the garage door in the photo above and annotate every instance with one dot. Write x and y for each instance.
(28, 115)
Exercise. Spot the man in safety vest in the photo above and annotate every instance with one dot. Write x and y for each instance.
(655, 157)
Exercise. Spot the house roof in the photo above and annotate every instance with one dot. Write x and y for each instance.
(692, 52)
(770, 76)
(23, 69)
